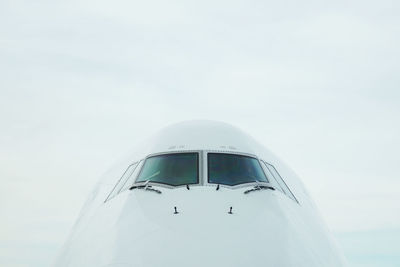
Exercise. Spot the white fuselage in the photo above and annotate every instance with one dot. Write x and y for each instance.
(194, 226)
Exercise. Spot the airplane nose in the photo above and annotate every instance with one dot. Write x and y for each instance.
(212, 232)
(205, 228)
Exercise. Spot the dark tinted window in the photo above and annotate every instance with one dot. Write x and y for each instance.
(231, 169)
(171, 169)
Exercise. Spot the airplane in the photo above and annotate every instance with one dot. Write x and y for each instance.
(200, 193)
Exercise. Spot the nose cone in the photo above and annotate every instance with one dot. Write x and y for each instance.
(263, 229)
(206, 232)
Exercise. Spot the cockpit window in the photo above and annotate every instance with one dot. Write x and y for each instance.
(232, 169)
(280, 181)
(171, 169)
(125, 181)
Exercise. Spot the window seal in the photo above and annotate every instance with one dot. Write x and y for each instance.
(288, 188)
(120, 180)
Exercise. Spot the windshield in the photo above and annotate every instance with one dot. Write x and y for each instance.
(171, 169)
(231, 169)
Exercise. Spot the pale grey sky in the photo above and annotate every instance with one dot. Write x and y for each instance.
(315, 81)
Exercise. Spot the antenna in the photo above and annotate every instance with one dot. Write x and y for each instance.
(230, 211)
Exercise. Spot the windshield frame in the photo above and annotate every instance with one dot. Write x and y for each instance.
(240, 185)
(198, 154)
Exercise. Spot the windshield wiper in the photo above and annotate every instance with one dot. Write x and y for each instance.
(145, 186)
(259, 187)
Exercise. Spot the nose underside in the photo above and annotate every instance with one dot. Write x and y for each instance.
(216, 231)
(203, 245)
(261, 229)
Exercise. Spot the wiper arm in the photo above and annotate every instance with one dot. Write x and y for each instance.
(259, 187)
(149, 188)
(256, 188)
(145, 186)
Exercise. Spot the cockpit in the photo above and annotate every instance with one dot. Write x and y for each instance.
(201, 168)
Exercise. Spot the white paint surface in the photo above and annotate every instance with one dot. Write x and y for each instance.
(139, 227)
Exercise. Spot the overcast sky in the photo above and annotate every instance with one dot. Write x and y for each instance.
(82, 81)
